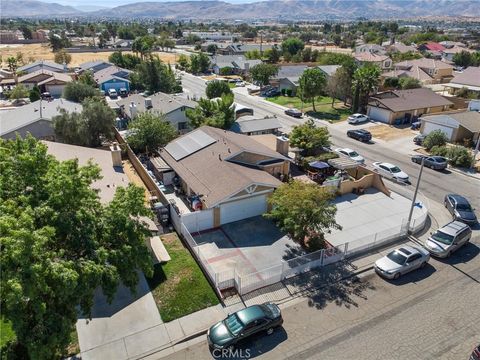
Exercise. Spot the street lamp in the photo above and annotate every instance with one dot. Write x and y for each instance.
(415, 194)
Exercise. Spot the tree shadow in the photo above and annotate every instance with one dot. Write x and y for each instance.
(414, 276)
(333, 283)
(320, 115)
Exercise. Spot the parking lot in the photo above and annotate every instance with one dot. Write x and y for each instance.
(248, 245)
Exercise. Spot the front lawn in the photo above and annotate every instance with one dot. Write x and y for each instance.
(179, 286)
(323, 105)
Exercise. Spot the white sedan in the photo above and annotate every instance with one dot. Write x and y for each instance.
(357, 118)
(390, 171)
(351, 154)
(401, 261)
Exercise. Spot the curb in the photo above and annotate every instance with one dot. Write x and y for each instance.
(463, 173)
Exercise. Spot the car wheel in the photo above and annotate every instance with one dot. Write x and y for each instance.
(270, 331)
(396, 276)
(423, 264)
(449, 254)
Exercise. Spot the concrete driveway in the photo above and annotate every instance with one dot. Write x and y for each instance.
(248, 245)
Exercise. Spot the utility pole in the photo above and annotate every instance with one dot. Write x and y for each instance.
(415, 194)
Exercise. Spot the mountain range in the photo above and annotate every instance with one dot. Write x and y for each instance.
(273, 9)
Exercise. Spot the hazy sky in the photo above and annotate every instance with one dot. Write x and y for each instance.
(113, 3)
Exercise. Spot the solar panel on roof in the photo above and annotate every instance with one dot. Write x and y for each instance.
(189, 144)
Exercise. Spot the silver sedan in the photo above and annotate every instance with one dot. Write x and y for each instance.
(401, 261)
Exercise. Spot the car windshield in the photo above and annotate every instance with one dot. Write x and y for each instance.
(438, 159)
(464, 207)
(353, 154)
(442, 237)
(395, 169)
(396, 257)
(234, 324)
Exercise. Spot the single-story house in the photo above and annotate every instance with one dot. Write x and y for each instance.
(34, 118)
(42, 65)
(404, 106)
(173, 107)
(433, 48)
(382, 61)
(414, 72)
(52, 82)
(93, 66)
(232, 174)
(468, 78)
(329, 70)
(288, 76)
(241, 49)
(254, 125)
(113, 77)
(399, 47)
(370, 48)
(239, 64)
(449, 53)
(437, 70)
(457, 126)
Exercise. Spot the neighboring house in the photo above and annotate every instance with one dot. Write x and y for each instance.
(42, 65)
(112, 77)
(34, 118)
(449, 53)
(211, 35)
(370, 48)
(254, 125)
(93, 66)
(399, 47)
(414, 72)
(432, 48)
(232, 174)
(241, 49)
(329, 70)
(450, 44)
(47, 81)
(405, 106)
(382, 61)
(468, 78)
(439, 71)
(239, 64)
(221, 46)
(457, 126)
(173, 107)
(288, 76)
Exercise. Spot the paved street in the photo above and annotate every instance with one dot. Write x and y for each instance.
(429, 314)
(434, 184)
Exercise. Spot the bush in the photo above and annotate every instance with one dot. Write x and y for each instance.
(460, 156)
(289, 92)
(439, 151)
(435, 138)
(217, 88)
(284, 92)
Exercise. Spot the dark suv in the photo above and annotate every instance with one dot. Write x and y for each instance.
(360, 134)
(460, 209)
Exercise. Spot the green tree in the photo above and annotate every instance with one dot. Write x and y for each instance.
(217, 88)
(155, 76)
(212, 49)
(19, 92)
(34, 94)
(63, 57)
(226, 70)
(262, 73)
(12, 63)
(292, 46)
(365, 81)
(199, 63)
(392, 83)
(58, 42)
(340, 84)
(88, 128)
(183, 62)
(309, 137)
(435, 138)
(78, 91)
(150, 132)
(304, 212)
(253, 54)
(465, 58)
(51, 266)
(311, 85)
(272, 55)
(218, 113)
(144, 45)
(87, 78)
(127, 61)
(409, 83)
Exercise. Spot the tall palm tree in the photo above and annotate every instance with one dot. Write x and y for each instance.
(365, 81)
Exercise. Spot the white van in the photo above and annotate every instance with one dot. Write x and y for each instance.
(112, 93)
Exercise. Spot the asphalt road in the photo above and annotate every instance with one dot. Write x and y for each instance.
(434, 184)
(432, 313)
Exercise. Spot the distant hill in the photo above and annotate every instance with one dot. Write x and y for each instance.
(296, 9)
(21, 8)
(269, 9)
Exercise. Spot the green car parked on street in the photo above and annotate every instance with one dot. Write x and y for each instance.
(244, 323)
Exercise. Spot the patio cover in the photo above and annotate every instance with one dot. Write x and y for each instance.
(343, 163)
(318, 164)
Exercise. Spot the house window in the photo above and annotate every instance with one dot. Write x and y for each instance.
(182, 125)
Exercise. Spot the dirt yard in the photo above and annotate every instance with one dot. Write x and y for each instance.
(34, 52)
(386, 132)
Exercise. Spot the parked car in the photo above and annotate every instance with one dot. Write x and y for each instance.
(244, 323)
(294, 112)
(357, 118)
(401, 261)
(360, 134)
(46, 96)
(449, 238)
(123, 92)
(433, 162)
(416, 125)
(419, 139)
(475, 353)
(390, 170)
(112, 93)
(460, 209)
(272, 92)
(351, 154)
(240, 84)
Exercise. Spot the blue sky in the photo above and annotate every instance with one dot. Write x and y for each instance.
(113, 3)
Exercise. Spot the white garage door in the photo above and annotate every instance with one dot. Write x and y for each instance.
(429, 127)
(55, 90)
(378, 114)
(242, 209)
